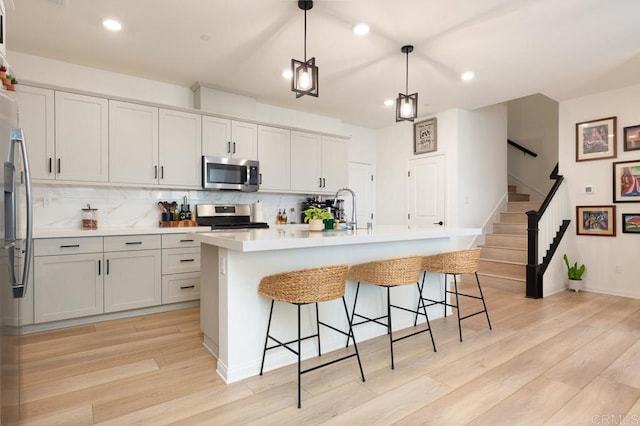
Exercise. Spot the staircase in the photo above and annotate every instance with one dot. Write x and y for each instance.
(503, 258)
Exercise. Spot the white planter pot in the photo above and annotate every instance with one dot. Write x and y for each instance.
(575, 285)
(316, 225)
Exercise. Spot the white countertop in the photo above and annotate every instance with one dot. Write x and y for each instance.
(105, 232)
(281, 239)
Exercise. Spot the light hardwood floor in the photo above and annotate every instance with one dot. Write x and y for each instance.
(572, 358)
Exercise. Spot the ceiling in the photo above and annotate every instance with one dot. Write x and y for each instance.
(562, 49)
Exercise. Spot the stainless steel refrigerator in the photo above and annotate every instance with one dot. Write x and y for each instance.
(15, 257)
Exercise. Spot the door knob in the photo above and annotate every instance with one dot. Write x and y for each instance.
(439, 223)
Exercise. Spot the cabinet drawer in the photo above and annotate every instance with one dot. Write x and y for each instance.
(132, 242)
(180, 287)
(178, 241)
(58, 246)
(176, 261)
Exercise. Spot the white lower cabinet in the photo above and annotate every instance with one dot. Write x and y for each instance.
(180, 268)
(67, 286)
(132, 280)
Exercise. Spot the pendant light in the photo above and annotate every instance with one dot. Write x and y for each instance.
(305, 73)
(407, 105)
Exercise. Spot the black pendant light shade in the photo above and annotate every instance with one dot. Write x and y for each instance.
(407, 105)
(305, 73)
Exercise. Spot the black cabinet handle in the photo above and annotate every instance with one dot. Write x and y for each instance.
(107, 266)
(59, 165)
(161, 172)
(99, 267)
(229, 147)
(155, 173)
(184, 287)
(320, 184)
(260, 176)
(187, 260)
(70, 246)
(186, 241)
(131, 243)
(439, 223)
(324, 183)
(50, 164)
(234, 147)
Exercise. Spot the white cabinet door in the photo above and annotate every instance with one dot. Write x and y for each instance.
(133, 143)
(274, 154)
(244, 140)
(36, 117)
(67, 286)
(226, 138)
(306, 151)
(216, 136)
(180, 148)
(82, 145)
(132, 280)
(335, 174)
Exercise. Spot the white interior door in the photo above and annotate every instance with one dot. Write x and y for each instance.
(426, 192)
(361, 182)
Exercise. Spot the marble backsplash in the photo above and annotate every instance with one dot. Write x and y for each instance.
(59, 206)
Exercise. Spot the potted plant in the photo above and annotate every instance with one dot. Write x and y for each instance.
(316, 216)
(574, 275)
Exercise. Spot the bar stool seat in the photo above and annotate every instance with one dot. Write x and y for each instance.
(388, 273)
(302, 287)
(454, 263)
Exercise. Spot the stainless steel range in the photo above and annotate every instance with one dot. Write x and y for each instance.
(226, 216)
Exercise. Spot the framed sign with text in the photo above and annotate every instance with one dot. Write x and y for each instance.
(425, 136)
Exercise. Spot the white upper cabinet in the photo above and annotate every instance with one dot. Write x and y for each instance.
(229, 138)
(274, 154)
(36, 117)
(133, 143)
(180, 148)
(318, 163)
(335, 173)
(306, 174)
(82, 145)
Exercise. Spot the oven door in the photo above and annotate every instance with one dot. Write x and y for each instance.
(229, 173)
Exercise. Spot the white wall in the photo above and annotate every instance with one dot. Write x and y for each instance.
(601, 255)
(533, 123)
(64, 74)
(474, 146)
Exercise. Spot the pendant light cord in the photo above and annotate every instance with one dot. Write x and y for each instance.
(407, 76)
(305, 35)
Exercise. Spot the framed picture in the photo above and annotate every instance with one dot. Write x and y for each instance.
(596, 220)
(632, 138)
(626, 181)
(596, 139)
(425, 136)
(631, 223)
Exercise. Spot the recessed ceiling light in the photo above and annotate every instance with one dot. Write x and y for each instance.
(205, 37)
(389, 102)
(111, 24)
(287, 74)
(468, 75)
(361, 29)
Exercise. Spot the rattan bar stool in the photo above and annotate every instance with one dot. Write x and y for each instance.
(454, 263)
(303, 287)
(388, 273)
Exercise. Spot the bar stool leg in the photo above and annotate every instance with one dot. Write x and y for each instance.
(389, 324)
(424, 310)
(266, 339)
(355, 346)
(420, 287)
(444, 296)
(483, 304)
(299, 357)
(455, 283)
(318, 329)
(353, 313)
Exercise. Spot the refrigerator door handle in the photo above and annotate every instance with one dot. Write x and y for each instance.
(17, 138)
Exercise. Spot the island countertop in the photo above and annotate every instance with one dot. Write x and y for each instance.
(250, 240)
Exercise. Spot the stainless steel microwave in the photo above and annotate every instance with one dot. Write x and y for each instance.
(230, 173)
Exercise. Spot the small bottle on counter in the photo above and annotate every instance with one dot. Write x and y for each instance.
(284, 217)
(188, 212)
(183, 214)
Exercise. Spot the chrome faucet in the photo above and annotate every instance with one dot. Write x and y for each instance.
(354, 222)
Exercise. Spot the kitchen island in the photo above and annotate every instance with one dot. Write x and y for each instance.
(233, 316)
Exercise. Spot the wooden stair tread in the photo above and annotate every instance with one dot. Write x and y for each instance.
(504, 247)
(484, 274)
(507, 262)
